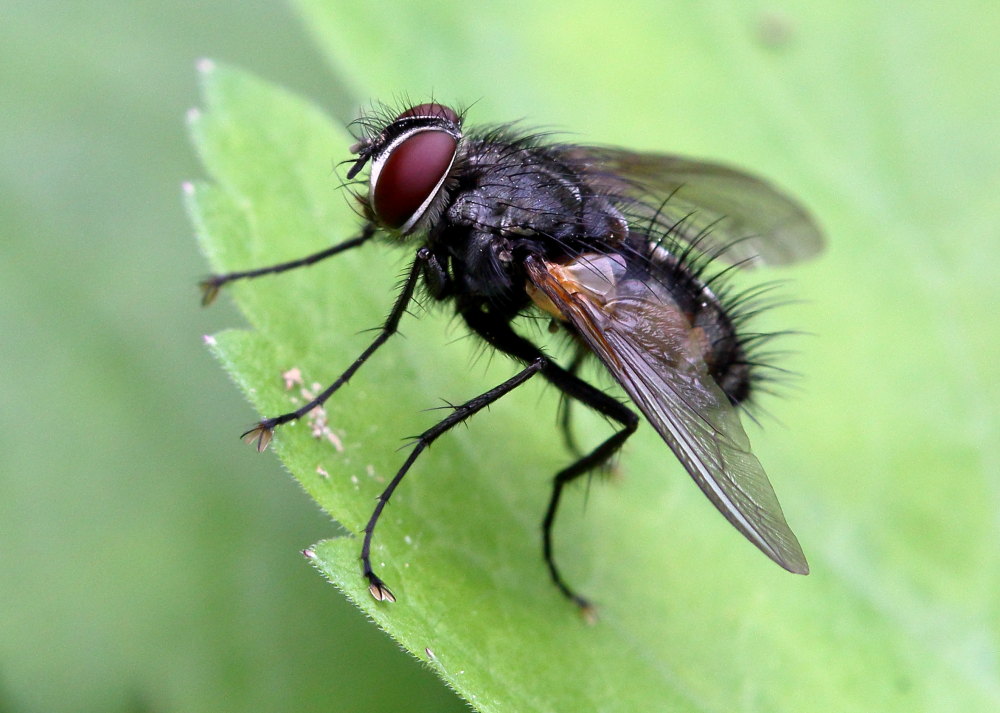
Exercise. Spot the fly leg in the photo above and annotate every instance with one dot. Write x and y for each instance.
(261, 433)
(375, 585)
(566, 408)
(599, 401)
(211, 285)
(499, 334)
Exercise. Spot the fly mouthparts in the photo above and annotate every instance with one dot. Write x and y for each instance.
(358, 148)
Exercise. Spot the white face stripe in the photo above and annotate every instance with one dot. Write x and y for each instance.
(419, 212)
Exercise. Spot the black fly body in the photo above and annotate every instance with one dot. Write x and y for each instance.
(614, 248)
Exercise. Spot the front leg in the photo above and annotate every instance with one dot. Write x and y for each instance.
(262, 432)
(211, 285)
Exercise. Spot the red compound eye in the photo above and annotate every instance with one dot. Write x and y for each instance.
(437, 110)
(411, 175)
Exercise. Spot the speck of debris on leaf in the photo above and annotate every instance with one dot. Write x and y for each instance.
(317, 419)
(292, 377)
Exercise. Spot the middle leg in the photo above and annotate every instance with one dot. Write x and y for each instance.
(375, 584)
(500, 335)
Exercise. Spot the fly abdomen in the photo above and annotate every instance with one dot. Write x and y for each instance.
(723, 348)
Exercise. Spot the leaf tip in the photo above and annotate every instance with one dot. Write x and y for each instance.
(205, 65)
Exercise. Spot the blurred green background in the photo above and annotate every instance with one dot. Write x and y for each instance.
(148, 559)
(131, 579)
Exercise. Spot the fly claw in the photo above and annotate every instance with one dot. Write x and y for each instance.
(261, 435)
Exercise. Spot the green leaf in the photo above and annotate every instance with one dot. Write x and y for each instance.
(882, 119)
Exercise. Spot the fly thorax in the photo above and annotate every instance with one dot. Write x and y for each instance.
(485, 265)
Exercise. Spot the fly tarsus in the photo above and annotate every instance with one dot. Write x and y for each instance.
(377, 588)
(260, 434)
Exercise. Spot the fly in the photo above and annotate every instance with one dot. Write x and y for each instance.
(615, 247)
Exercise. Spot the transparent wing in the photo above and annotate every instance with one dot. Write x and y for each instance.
(724, 212)
(653, 352)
